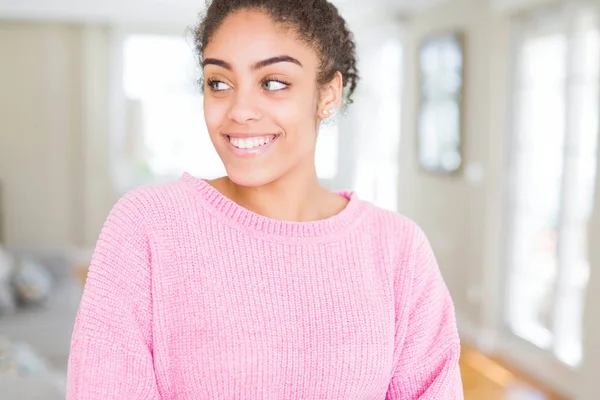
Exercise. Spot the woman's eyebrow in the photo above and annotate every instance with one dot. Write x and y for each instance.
(275, 60)
(258, 65)
(217, 62)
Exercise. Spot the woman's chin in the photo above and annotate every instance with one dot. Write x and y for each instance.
(251, 177)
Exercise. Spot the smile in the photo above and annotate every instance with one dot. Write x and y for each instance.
(250, 142)
(250, 146)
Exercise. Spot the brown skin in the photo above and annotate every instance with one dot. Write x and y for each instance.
(243, 99)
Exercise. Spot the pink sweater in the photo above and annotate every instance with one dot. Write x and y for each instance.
(190, 296)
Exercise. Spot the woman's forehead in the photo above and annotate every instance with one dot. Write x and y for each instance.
(249, 37)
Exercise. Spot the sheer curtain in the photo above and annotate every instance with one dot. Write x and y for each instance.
(376, 119)
(553, 174)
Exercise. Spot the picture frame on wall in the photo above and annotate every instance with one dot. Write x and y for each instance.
(440, 115)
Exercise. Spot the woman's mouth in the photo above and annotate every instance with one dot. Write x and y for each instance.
(250, 146)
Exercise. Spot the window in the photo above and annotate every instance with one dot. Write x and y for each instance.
(378, 115)
(165, 124)
(165, 133)
(553, 175)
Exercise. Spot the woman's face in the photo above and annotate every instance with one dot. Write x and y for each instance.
(262, 104)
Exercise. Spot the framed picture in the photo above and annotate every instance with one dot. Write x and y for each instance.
(441, 73)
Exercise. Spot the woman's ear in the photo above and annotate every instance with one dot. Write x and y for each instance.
(331, 96)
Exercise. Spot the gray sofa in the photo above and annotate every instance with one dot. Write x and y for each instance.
(47, 331)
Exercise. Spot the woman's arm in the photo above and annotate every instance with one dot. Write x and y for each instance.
(426, 356)
(111, 348)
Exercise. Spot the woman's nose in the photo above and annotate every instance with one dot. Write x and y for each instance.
(245, 107)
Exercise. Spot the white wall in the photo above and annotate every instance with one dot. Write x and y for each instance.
(99, 193)
(39, 108)
(517, 5)
(453, 210)
(53, 107)
(590, 384)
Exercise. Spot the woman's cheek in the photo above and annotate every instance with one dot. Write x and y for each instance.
(214, 114)
(288, 113)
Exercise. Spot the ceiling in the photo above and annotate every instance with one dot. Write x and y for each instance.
(162, 11)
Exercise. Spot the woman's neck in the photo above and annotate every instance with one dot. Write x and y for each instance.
(287, 199)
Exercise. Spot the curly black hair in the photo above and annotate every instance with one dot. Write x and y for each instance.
(317, 22)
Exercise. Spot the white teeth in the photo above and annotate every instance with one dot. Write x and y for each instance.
(250, 143)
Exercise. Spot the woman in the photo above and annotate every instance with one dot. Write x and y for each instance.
(262, 284)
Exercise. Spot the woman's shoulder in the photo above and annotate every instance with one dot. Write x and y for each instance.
(401, 236)
(408, 246)
(393, 222)
(151, 201)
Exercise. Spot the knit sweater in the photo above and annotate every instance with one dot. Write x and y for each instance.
(191, 296)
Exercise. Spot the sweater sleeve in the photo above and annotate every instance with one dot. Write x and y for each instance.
(111, 346)
(427, 347)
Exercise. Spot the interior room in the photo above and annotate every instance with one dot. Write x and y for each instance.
(477, 119)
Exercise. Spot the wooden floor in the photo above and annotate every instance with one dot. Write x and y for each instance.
(486, 379)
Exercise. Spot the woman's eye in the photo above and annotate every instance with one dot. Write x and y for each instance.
(218, 86)
(274, 86)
